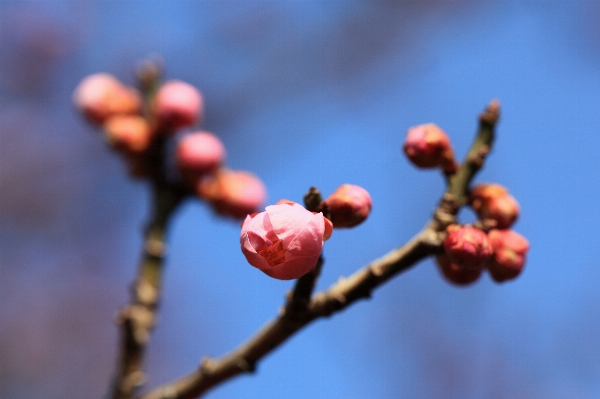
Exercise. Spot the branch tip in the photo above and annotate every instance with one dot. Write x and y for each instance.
(491, 113)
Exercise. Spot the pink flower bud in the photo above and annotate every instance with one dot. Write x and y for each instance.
(128, 133)
(491, 202)
(428, 146)
(177, 104)
(349, 205)
(198, 153)
(101, 95)
(232, 193)
(455, 273)
(285, 241)
(467, 246)
(510, 249)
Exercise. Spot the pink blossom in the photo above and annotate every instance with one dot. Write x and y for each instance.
(492, 202)
(177, 104)
(455, 273)
(101, 95)
(285, 241)
(467, 246)
(199, 152)
(232, 193)
(349, 205)
(428, 146)
(130, 134)
(510, 249)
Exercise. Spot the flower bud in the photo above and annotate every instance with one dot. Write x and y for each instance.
(101, 96)
(285, 241)
(128, 133)
(455, 273)
(349, 205)
(467, 246)
(428, 146)
(492, 202)
(232, 193)
(198, 153)
(510, 249)
(177, 104)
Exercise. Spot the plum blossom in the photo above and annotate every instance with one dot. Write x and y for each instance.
(510, 249)
(492, 202)
(467, 246)
(428, 146)
(177, 104)
(349, 205)
(285, 241)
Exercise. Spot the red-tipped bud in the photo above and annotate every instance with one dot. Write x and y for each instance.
(455, 273)
(428, 146)
(177, 104)
(285, 241)
(128, 133)
(233, 193)
(349, 205)
(101, 96)
(467, 246)
(493, 203)
(510, 249)
(198, 153)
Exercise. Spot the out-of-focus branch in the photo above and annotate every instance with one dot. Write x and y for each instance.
(347, 290)
(137, 319)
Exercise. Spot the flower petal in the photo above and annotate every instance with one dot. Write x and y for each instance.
(309, 240)
(294, 268)
(288, 220)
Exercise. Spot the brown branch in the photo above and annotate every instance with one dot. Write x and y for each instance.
(344, 292)
(137, 319)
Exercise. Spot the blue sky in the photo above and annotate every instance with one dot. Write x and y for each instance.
(307, 93)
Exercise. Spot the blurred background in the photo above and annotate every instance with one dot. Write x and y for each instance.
(305, 93)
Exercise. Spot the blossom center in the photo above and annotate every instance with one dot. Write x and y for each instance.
(274, 254)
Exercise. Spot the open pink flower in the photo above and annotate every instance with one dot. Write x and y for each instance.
(285, 241)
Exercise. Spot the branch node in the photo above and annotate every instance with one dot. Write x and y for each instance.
(244, 365)
(205, 364)
(146, 293)
(376, 271)
(155, 247)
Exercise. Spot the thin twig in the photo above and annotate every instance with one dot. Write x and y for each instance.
(347, 290)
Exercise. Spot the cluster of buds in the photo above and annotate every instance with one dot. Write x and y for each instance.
(286, 240)
(176, 105)
(501, 251)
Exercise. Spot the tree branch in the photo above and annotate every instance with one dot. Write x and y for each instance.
(137, 319)
(345, 291)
